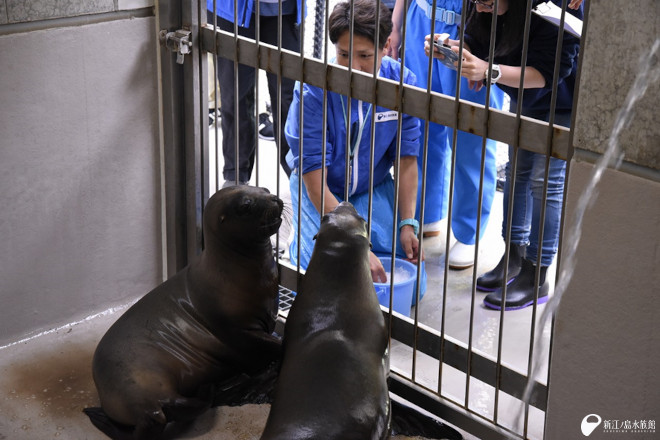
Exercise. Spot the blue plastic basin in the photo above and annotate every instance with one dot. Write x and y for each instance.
(403, 288)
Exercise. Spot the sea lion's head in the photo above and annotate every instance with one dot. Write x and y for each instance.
(242, 213)
(343, 224)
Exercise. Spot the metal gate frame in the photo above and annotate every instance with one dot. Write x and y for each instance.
(184, 136)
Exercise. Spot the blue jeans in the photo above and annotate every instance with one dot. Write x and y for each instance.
(528, 198)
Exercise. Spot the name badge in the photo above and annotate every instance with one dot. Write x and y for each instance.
(387, 116)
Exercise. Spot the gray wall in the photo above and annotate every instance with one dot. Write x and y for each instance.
(79, 162)
(606, 349)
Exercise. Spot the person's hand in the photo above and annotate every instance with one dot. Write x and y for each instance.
(574, 4)
(395, 42)
(377, 269)
(428, 44)
(410, 244)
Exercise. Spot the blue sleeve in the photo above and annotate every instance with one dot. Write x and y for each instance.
(410, 125)
(312, 128)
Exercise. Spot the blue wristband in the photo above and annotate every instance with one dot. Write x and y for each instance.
(410, 221)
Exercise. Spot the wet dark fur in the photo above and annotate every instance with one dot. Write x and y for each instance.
(163, 359)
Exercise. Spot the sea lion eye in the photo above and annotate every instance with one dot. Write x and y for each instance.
(245, 206)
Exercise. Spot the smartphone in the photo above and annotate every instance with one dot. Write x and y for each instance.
(450, 56)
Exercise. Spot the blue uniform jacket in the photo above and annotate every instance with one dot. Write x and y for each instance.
(245, 8)
(385, 134)
(540, 55)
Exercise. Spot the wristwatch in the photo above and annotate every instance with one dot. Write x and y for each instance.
(495, 74)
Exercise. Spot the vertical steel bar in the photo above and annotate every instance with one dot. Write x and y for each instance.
(301, 153)
(349, 99)
(257, 95)
(491, 55)
(216, 90)
(192, 133)
(544, 199)
(422, 208)
(236, 101)
(513, 166)
(372, 134)
(324, 116)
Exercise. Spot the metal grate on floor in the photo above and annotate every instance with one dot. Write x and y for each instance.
(286, 298)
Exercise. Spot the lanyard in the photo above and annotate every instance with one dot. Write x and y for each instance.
(356, 130)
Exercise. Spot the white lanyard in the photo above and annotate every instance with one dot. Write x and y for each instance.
(356, 136)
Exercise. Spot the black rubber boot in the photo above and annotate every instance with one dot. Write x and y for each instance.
(491, 281)
(520, 293)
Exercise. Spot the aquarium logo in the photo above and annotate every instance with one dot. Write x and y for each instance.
(589, 426)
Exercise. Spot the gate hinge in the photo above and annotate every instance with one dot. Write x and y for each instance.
(178, 41)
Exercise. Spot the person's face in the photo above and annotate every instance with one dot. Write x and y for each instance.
(487, 6)
(363, 53)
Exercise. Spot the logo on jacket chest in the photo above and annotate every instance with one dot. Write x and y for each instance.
(389, 115)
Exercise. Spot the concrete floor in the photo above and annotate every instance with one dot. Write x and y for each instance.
(46, 381)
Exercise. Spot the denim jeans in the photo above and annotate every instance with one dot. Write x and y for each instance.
(528, 199)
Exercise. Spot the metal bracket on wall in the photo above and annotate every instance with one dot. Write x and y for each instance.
(178, 41)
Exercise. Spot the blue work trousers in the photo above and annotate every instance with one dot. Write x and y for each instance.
(381, 223)
(468, 146)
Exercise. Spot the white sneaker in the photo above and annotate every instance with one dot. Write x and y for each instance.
(461, 256)
(436, 229)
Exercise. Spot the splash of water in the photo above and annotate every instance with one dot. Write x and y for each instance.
(649, 73)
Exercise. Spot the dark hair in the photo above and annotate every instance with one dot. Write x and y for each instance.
(511, 23)
(364, 21)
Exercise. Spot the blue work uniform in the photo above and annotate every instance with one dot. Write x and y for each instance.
(245, 9)
(468, 146)
(385, 143)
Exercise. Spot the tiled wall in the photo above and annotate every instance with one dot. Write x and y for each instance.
(21, 11)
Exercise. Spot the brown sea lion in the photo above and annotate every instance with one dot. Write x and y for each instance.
(211, 321)
(333, 380)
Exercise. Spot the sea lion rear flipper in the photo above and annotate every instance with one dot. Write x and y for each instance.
(106, 425)
(407, 421)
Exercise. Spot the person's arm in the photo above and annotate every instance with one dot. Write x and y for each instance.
(316, 187)
(407, 204)
(474, 69)
(398, 15)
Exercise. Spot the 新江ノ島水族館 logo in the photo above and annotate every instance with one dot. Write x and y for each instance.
(589, 423)
(593, 421)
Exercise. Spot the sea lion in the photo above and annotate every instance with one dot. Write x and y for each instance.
(210, 322)
(333, 379)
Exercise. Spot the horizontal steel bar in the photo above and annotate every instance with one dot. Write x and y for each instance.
(446, 410)
(502, 126)
(484, 367)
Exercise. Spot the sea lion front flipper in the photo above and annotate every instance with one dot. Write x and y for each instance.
(184, 409)
(106, 425)
(407, 421)
(243, 389)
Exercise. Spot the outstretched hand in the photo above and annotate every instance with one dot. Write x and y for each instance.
(377, 270)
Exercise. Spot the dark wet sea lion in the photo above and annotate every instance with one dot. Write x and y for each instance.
(211, 321)
(333, 379)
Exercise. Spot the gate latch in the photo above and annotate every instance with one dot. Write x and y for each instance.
(178, 41)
